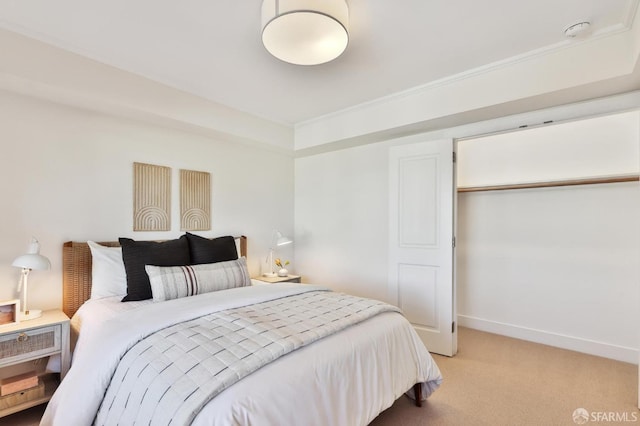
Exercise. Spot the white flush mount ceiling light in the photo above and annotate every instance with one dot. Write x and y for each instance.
(305, 32)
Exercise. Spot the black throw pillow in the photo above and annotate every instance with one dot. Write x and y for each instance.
(205, 250)
(137, 254)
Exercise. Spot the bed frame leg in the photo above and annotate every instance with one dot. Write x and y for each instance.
(417, 392)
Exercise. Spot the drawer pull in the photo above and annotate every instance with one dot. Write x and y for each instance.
(22, 337)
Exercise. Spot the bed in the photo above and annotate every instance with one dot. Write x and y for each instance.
(346, 376)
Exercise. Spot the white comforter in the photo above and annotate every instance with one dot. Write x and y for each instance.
(345, 379)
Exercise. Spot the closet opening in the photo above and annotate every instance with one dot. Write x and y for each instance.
(548, 236)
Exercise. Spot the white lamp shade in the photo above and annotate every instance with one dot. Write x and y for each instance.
(305, 32)
(280, 240)
(32, 261)
(283, 241)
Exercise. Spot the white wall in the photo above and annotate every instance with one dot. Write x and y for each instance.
(341, 219)
(557, 266)
(66, 174)
(563, 265)
(601, 146)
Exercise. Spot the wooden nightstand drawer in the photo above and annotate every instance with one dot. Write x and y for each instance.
(29, 344)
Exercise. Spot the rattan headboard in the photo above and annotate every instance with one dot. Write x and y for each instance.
(76, 272)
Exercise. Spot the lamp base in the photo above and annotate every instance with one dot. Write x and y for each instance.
(30, 314)
(270, 274)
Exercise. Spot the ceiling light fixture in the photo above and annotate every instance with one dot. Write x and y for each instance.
(305, 32)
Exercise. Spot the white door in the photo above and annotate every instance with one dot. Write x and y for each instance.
(421, 245)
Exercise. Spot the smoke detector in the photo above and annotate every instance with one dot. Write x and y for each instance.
(575, 30)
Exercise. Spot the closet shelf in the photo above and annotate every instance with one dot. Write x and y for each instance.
(569, 182)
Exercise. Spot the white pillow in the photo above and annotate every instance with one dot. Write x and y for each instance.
(172, 282)
(108, 276)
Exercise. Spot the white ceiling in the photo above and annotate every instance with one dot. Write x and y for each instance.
(212, 48)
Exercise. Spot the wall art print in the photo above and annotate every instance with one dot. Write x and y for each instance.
(151, 197)
(195, 201)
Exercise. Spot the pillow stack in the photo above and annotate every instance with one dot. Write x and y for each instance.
(166, 270)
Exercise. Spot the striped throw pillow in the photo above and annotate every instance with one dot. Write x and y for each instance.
(172, 282)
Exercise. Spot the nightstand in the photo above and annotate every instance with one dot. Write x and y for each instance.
(271, 280)
(26, 346)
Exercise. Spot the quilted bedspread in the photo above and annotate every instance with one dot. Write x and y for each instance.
(161, 361)
(171, 374)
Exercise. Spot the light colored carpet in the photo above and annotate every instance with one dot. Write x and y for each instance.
(495, 380)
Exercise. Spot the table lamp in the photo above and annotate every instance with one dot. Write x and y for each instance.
(32, 260)
(277, 241)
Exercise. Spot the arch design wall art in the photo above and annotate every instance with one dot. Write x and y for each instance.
(151, 197)
(195, 201)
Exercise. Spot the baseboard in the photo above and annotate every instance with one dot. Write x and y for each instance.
(591, 347)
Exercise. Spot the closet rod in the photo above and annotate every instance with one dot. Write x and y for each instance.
(571, 182)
